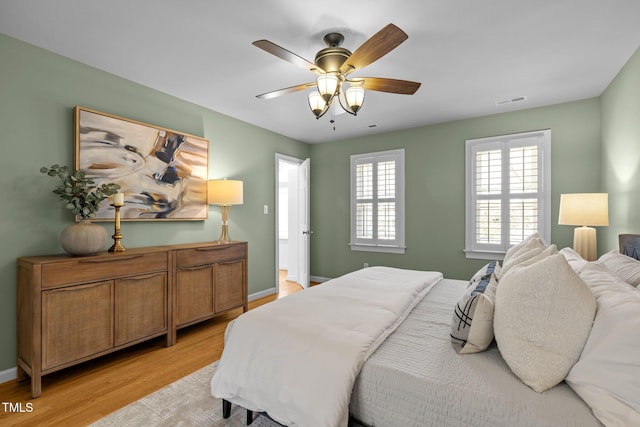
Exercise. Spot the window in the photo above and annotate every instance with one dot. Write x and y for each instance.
(508, 191)
(377, 202)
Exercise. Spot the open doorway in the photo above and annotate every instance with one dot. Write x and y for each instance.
(292, 235)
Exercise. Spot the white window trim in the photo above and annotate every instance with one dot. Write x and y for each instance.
(545, 194)
(399, 247)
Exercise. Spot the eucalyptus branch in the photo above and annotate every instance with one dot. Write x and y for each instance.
(80, 193)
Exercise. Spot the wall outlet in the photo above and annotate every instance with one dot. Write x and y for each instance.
(266, 209)
(366, 264)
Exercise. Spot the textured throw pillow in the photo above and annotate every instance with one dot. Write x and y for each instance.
(533, 241)
(623, 266)
(528, 257)
(472, 323)
(574, 259)
(488, 269)
(607, 375)
(543, 315)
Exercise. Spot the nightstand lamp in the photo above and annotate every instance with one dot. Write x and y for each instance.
(587, 210)
(224, 193)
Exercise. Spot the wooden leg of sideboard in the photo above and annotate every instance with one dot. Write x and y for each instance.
(171, 337)
(36, 385)
(21, 374)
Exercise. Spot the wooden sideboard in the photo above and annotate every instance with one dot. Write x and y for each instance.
(72, 309)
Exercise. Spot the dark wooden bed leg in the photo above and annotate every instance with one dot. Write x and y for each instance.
(249, 417)
(226, 408)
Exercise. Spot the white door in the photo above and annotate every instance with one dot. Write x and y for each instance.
(305, 232)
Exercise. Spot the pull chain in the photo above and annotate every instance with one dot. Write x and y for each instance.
(333, 117)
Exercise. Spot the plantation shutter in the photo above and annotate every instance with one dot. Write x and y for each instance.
(507, 192)
(377, 200)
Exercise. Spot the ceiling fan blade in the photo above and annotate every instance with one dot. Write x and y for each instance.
(403, 87)
(381, 43)
(288, 56)
(285, 91)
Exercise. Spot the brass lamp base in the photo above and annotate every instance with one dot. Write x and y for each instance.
(224, 234)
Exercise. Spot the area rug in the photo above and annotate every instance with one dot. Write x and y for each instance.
(186, 402)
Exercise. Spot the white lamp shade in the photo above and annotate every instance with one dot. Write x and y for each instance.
(585, 209)
(355, 98)
(327, 85)
(224, 192)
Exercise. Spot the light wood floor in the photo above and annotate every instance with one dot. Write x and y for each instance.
(82, 394)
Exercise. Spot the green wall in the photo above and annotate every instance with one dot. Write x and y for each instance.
(621, 151)
(38, 91)
(435, 186)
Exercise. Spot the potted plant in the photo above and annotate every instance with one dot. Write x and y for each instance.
(82, 197)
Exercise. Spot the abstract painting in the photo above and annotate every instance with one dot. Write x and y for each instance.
(162, 173)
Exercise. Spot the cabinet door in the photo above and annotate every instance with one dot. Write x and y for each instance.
(140, 307)
(77, 321)
(229, 285)
(194, 289)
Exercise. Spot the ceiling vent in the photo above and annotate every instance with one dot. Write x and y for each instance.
(512, 100)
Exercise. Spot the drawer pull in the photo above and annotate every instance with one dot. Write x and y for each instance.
(114, 259)
(213, 248)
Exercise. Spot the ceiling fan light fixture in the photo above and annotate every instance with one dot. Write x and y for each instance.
(334, 64)
(317, 104)
(327, 86)
(355, 98)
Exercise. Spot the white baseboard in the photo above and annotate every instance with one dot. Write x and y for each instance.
(319, 279)
(292, 278)
(8, 375)
(262, 294)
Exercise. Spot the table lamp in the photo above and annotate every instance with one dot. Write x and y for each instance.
(224, 193)
(587, 210)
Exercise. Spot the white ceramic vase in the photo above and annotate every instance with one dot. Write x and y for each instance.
(83, 238)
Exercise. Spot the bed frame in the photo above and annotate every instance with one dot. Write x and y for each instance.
(629, 244)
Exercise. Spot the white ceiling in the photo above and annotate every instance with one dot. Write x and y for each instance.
(468, 54)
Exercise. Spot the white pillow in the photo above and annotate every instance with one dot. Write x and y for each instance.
(528, 257)
(607, 375)
(623, 266)
(543, 315)
(533, 241)
(574, 259)
(472, 323)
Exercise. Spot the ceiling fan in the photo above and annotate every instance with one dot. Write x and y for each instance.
(334, 64)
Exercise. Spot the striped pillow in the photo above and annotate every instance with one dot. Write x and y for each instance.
(472, 323)
(492, 267)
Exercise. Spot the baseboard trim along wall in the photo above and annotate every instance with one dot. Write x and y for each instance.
(8, 375)
(319, 279)
(262, 294)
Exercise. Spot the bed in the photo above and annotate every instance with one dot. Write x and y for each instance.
(414, 377)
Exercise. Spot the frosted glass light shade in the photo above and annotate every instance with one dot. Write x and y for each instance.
(355, 98)
(327, 85)
(224, 192)
(316, 103)
(590, 209)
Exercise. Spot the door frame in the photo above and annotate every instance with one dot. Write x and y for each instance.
(289, 159)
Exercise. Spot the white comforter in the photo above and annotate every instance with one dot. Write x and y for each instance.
(297, 358)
